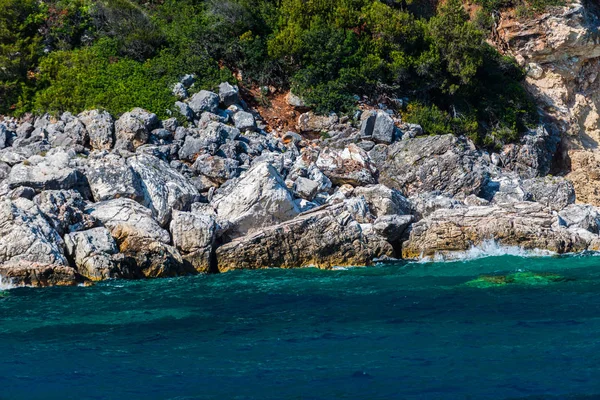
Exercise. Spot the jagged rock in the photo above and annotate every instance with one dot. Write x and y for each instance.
(194, 236)
(25, 129)
(367, 125)
(306, 188)
(133, 128)
(4, 137)
(74, 134)
(22, 192)
(100, 128)
(93, 252)
(65, 209)
(507, 189)
(294, 100)
(359, 210)
(244, 121)
(228, 94)
(392, 227)
(310, 122)
(446, 163)
(534, 155)
(4, 171)
(13, 156)
(383, 200)
(110, 177)
(553, 192)
(185, 110)
(170, 124)
(179, 91)
(472, 200)
(51, 172)
(25, 235)
(323, 238)
(26, 273)
(217, 169)
(257, 199)
(581, 216)
(424, 204)
(163, 188)
(527, 225)
(351, 165)
(204, 101)
(383, 128)
(139, 237)
(188, 80)
(207, 140)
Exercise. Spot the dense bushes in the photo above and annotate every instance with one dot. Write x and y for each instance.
(62, 55)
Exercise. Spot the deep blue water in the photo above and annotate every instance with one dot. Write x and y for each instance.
(412, 331)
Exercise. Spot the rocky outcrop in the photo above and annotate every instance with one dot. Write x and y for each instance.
(350, 165)
(323, 238)
(39, 275)
(25, 235)
(256, 200)
(560, 50)
(450, 165)
(139, 237)
(96, 255)
(194, 236)
(133, 128)
(100, 128)
(163, 188)
(65, 210)
(50, 172)
(526, 224)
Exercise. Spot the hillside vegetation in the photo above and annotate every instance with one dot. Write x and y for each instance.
(71, 55)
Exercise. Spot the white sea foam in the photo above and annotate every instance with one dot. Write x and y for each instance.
(5, 285)
(488, 248)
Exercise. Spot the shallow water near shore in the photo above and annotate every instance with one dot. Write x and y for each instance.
(406, 331)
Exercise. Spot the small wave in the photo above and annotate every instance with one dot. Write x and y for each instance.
(6, 285)
(487, 248)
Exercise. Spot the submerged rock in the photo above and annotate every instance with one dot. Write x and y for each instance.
(518, 278)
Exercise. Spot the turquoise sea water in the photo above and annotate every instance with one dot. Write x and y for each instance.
(404, 331)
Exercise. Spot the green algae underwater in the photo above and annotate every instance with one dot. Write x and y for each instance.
(501, 327)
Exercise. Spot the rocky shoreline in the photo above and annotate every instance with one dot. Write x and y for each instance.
(86, 198)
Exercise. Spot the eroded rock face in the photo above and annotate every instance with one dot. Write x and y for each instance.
(351, 165)
(323, 238)
(95, 254)
(25, 235)
(139, 237)
(110, 177)
(528, 225)
(194, 236)
(384, 201)
(133, 128)
(65, 209)
(561, 51)
(257, 199)
(51, 172)
(446, 163)
(26, 273)
(163, 188)
(100, 128)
